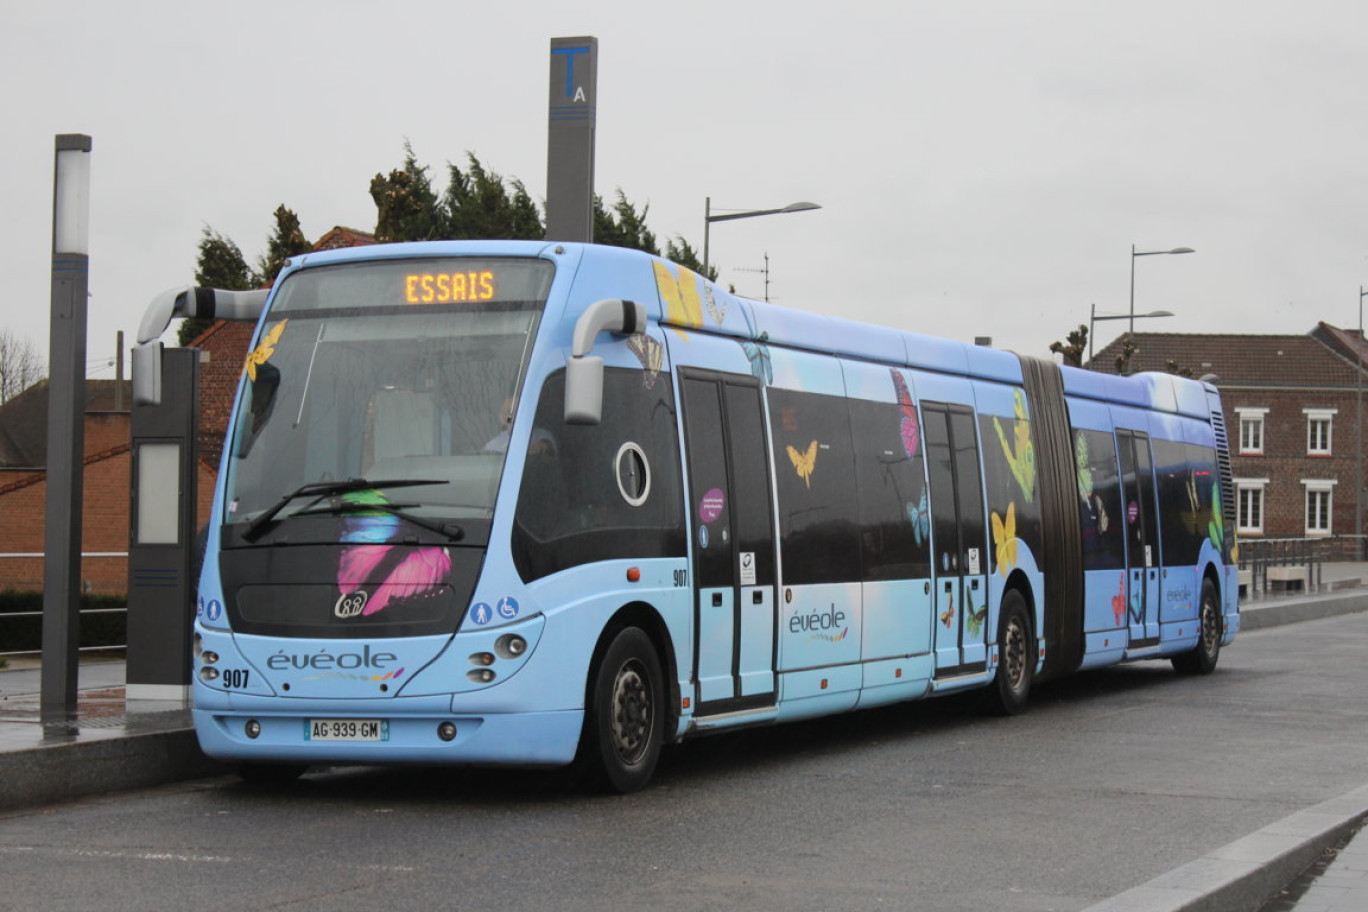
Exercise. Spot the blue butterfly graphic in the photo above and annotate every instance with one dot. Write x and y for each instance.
(921, 521)
(758, 353)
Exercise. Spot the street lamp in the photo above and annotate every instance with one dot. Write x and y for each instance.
(66, 423)
(1094, 316)
(709, 218)
(1358, 422)
(1139, 253)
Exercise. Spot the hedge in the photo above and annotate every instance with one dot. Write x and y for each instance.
(23, 634)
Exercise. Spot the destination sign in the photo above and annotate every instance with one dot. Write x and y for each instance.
(450, 287)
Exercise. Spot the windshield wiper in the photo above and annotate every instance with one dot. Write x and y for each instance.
(324, 488)
(340, 507)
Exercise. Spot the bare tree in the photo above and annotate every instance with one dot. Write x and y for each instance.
(20, 365)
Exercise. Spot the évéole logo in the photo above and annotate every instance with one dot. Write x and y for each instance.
(327, 661)
(821, 624)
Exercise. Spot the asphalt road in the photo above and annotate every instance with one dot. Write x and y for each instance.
(1112, 778)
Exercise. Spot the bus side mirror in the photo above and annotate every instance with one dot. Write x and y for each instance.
(583, 371)
(584, 390)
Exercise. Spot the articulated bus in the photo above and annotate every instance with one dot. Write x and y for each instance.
(538, 504)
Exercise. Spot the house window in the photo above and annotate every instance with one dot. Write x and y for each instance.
(1319, 502)
(1249, 493)
(1251, 430)
(1319, 428)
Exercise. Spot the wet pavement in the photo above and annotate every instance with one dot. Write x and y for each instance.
(1309, 862)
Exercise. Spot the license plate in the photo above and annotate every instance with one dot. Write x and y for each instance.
(346, 730)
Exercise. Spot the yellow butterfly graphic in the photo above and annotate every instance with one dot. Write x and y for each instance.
(1005, 538)
(683, 307)
(804, 462)
(264, 349)
(1020, 454)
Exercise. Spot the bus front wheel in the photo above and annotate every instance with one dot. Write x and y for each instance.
(1007, 694)
(1202, 658)
(625, 714)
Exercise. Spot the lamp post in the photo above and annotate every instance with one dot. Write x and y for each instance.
(709, 218)
(1358, 423)
(1094, 316)
(1139, 253)
(66, 423)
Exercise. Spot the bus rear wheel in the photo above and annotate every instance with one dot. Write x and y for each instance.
(1202, 658)
(1007, 694)
(625, 714)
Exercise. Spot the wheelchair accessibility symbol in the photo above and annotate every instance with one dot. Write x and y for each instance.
(508, 608)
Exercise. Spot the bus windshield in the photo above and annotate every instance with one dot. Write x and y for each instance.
(404, 370)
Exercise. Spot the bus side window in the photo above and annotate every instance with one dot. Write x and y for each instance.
(1099, 500)
(571, 507)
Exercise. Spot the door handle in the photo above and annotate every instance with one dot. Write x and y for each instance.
(757, 597)
(974, 585)
(717, 600)
(948, 586)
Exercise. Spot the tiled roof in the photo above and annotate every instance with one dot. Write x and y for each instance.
(24, 419)
(1241, 360)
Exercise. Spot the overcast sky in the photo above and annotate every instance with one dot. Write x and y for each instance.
(984, 168)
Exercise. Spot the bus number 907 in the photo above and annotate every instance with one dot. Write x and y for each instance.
(235, 677)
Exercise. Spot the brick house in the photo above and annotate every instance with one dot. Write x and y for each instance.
(23, 487)
(108, 457)
(1292, 411)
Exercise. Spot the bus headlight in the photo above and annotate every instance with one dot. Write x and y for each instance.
(510, 646)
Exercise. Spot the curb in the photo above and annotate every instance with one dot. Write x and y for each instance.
(1248, 872)
(1254, 616)
(62, 772)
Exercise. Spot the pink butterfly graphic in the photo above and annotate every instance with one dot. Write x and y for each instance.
(911, 429)
(415, 573)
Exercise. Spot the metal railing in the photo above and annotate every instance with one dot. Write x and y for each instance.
(1282, 563)
(4, 616)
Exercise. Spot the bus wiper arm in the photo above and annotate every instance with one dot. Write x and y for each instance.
(322, 489)
(450, 530)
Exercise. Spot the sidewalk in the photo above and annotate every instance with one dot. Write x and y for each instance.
(109, 745)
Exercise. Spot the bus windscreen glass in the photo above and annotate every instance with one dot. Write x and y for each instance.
(392, 370)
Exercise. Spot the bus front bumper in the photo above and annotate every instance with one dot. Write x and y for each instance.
(542, 739)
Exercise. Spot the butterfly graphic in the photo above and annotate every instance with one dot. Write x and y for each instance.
(404, 573)
(909, 427)
(650, 353)
(804, 462)
(921, 521)
(1216, 528)
(680, 296)
(974, 620)
(1005, 539)
(265, 349)
(758, 353)
(1085, 475)
(1020, 454)
(1119, 601)
(948, 614)
(716, 309)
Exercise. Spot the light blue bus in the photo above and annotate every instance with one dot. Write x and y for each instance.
(526, 503)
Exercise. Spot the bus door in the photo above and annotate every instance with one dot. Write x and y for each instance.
(959, 559)
(733, 542)
(1142, 539)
